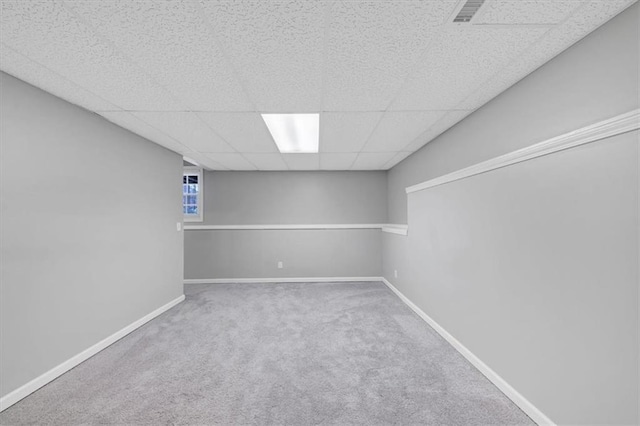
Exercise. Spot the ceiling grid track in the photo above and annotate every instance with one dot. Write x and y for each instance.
(406, 79)
(386, 78)
(142, 71)
(228, 60)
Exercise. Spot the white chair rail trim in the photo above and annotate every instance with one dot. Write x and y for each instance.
(603, 129)
(385, 227)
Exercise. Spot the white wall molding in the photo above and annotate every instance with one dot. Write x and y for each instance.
(531, 410)
(279, 280)
(603, 129)
(386, 227)
(35, 384)
(396, 229)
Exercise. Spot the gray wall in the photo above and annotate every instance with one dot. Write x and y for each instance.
(595, 79)
(86, 207)
(233, 198)
(534, 267)
(248, 198)
(304, 253)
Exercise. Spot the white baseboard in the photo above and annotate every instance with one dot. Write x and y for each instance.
(279, 280)
(524, 404)
(35, 384)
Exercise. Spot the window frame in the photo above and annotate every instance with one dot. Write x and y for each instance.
(191, 171)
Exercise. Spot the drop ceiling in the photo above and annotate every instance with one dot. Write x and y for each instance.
(194, 76)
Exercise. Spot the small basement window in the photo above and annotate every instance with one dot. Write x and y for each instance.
(192, 194)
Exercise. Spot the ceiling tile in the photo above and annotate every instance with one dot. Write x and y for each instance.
(475, 53)
(302, 161)
(267, 161)
(439, 127)
(191, 69)
(397, 158)
(372, 160)
(204, 161)
(397, 129)
(346, 131)
(246, 132)
(371, 48)
(171, 42)
(276, 49)
(524, 12)
(50, 34)
(556, 40)
(232, 161)
(337, 160)
(187, 128)
(128, 121)
(33, 73)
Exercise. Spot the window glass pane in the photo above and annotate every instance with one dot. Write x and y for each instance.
(190, 194)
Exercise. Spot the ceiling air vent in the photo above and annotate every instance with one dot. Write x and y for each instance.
(468, 10)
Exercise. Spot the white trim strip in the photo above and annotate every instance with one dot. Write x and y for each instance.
(279, 280)
(35, 384)
(614, 126)
(288, 227)
(524, 404)
(396, 229)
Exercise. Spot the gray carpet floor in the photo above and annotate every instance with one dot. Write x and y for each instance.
(275, 354)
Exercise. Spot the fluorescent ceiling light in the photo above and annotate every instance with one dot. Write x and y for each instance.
(294, 133)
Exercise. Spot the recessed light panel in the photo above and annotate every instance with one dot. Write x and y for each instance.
(294, 133)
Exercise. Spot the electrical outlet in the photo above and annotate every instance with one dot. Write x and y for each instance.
(395, 273)
(280, 265)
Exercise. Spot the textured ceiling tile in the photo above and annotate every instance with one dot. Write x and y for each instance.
(186, 128)
(33, 73)
(246, 132)
(267, 161)
(232, 161)
(397, 129)
(275, 47)
(302, 161)
(204, 161)
(525, 12)
(346, 131)
(280, 56)
(581, 23)
(397, 158)
(372, 160)
(50, 34)
(371, 48)
(337, 160)
(476, 53)
(449, 120)
(128, 121)
(171, 42)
